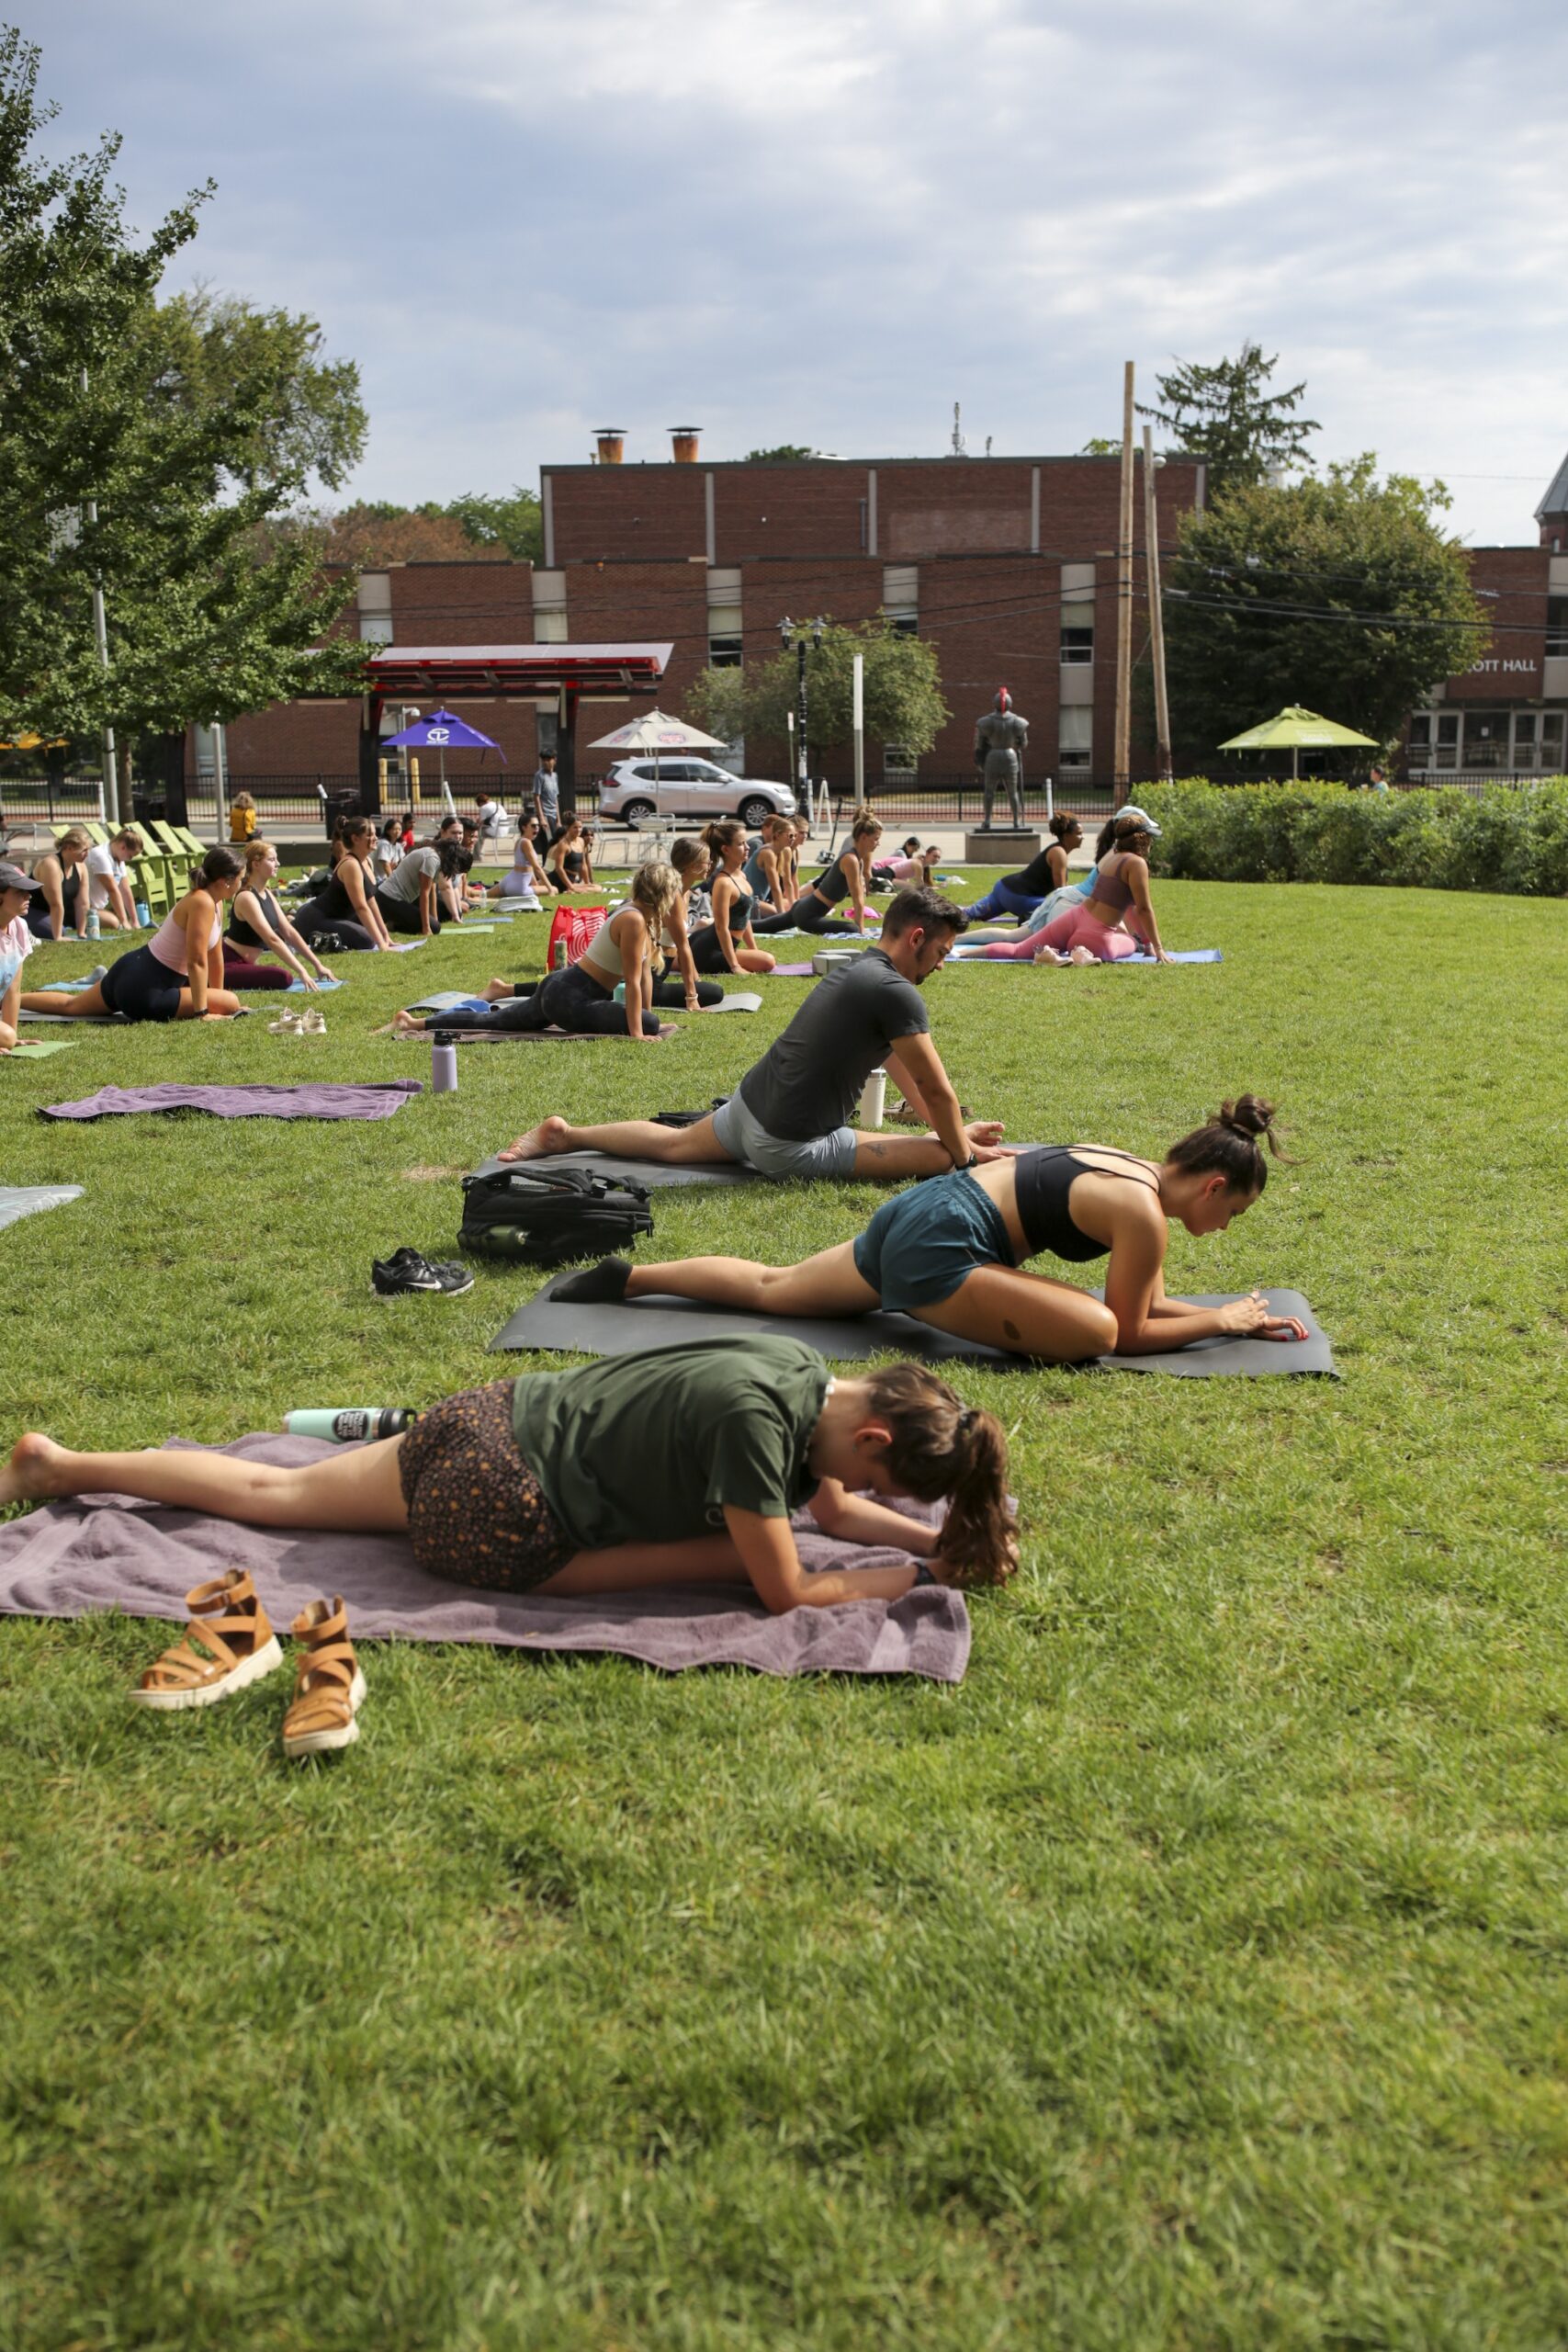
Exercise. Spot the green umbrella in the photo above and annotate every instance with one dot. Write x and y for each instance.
(1295, 731)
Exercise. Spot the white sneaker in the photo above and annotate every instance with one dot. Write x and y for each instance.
(313, 1021)
(287, 1024)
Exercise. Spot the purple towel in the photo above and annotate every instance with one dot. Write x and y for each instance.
(380, 1100)
(67, 1559)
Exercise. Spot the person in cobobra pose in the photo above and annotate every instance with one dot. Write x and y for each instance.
(951, 1253)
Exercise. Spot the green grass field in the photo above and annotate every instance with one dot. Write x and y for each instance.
(1194, 1975)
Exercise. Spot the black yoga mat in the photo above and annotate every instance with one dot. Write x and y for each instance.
(544, 1322)
(641, 1171)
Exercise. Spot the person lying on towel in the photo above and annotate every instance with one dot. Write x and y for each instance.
(951, 1253)
(671, 1465)
(791, 1114)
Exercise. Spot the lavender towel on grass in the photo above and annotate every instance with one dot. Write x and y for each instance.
(380, 1100)
(68, 1559)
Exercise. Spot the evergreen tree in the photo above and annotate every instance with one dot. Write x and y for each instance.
(1226, 415)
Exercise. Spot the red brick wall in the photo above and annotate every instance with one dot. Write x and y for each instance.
(1508, 668)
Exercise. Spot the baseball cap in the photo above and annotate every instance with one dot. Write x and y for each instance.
(1139, 816)
(13, 879)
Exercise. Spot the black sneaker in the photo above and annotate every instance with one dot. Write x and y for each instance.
(600, 1285)
(406, 1273)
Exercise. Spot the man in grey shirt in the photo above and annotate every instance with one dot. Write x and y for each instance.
(546, 794)
(791, 1114)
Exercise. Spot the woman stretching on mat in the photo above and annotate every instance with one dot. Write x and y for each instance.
(257, 924)
(845, 877)
(570, 858)
(674, 1465)
(1020, 894)
(769, 872)
(1094, 929)
(62, 876)
(950, 1252)
(178, 976)
(347, 904)
(581, 997)
(16, 891)
(682, 987)
(727, 943)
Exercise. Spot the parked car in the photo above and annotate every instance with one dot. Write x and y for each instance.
(635, 790)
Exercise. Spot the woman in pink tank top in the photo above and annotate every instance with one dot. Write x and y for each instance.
(178, 976)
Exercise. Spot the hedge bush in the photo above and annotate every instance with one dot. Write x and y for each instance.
(1438, 839)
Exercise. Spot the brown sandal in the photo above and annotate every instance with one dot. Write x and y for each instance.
(228, 1643)
(329, 1688)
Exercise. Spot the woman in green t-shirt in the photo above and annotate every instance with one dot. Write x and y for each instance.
(670, 1465)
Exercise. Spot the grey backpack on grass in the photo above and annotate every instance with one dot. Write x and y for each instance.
(552, 1216)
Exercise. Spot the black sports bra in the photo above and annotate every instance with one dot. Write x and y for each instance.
(241, 931)
(1044, 1179)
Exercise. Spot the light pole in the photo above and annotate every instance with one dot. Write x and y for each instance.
(803, 636)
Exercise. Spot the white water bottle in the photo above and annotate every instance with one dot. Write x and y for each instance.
(873, 1099)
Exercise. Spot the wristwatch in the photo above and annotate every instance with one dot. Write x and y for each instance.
(962, 1166)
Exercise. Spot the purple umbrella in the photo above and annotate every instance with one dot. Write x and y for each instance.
(443, 732)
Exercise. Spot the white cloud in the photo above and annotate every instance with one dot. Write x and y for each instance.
(826, 223)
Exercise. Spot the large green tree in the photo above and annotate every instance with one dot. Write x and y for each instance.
(1227, 415)
(903, 690)
(1343, 592)
(113, 470)
(205, 349)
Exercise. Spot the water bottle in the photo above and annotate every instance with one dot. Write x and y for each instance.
(349, 1424)
(443, 1067)
(873, 1099)
(94, 928)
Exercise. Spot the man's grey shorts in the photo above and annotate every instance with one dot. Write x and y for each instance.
(746, 1141)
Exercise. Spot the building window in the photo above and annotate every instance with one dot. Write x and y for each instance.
(1552, 735)
(905, 623)
(546, 730)
(1556, 626)
(898, 766)
(1537, 742)
(725, 652)
(549, 628)
(901, 597)
(376, 628)
(1075, 739)
(1077, 645)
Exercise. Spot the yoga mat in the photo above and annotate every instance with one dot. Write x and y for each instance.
(790, 971)
(1178, 955)
(405, 946)
(31, 1200)
(63, 988)
(381, 1099)
(641, 1171)
(69, 1558)
(445, 1000)
(81, 1020)
(34, 1049)
(298, 988)
(525, 1037)
(544, 1322)
(743, 1000)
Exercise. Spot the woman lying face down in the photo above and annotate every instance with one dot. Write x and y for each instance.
(670, 1465)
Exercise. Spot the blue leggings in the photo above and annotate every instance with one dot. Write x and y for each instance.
(1001, 901)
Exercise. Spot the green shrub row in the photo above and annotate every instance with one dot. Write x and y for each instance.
(1438, 839)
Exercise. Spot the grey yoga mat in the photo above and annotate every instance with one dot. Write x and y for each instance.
(651, 1172)
(69, 1558)
(28, 1200)
(544, 1322)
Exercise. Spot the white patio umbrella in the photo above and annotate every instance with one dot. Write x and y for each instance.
(656, 732)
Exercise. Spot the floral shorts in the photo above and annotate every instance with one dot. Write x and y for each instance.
(477, 1513)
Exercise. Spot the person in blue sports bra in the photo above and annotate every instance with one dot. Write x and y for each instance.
(952, 1251)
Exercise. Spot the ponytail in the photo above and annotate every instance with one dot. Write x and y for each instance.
(722, 834)
(221, 864)
(1231, 1143)
(1061, 824)
(941, 1449)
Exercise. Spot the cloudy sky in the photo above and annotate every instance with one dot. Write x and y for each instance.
(823, 221)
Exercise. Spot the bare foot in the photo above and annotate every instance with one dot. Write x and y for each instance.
(405, 1024)
(496, 991)
(549, 1136)
(26, 1477)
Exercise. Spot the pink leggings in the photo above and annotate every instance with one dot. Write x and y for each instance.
(1074, 927)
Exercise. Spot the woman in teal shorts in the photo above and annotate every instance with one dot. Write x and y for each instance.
(950, 1252)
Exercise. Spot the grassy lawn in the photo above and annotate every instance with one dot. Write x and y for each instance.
(1194, 1975)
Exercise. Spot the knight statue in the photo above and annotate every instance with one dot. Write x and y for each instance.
(1000, 737)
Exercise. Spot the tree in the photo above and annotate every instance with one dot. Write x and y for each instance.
(1226, 415)
(512, 525)
(1098, 447)
(903, 690)
(1342, 593)
(473, 529)
(203, 624)
(787, 453)
(205, 348)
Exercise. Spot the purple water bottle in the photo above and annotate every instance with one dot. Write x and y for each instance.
(443, 1067)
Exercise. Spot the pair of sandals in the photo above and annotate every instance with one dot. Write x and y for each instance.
(230, 1644)
(311, 1022)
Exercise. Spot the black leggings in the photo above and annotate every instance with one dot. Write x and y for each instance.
(141, 988)
(672, 990)
(571, 999)
(403, 915)
(309, 924)
(808, 913)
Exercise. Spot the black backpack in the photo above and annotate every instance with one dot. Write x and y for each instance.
(548, 1216)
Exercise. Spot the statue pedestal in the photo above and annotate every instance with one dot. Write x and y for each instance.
(1001, 846)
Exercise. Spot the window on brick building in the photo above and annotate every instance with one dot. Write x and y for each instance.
(549, 628)
(1556, 625)
(897, 764)
(725, 652)
(1076, 739)
(1077, 641)
(376, 628)
(905, 623)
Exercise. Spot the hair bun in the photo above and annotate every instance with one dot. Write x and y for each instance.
(1248, 1115)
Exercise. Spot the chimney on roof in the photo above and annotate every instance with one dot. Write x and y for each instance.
(611, 439)
(685, 437)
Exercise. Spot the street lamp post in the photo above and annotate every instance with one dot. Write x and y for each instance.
(803, 635)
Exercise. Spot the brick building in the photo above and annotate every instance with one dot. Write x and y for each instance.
(1006, 565)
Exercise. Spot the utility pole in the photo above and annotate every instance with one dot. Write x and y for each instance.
(802, 636)
(220, 779)
(1122, 759)
(1157, 608)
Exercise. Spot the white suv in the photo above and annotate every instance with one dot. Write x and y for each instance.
(635, 790)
